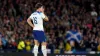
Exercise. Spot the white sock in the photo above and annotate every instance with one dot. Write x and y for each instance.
(44, 51)
(35, 50)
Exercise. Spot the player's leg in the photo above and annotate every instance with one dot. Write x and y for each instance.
(43, 43)
(44, 50)
(35, 49)
(36, 43)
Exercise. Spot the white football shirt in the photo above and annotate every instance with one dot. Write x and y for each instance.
(37, 18)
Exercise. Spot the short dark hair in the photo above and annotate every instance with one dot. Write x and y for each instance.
(38, 5)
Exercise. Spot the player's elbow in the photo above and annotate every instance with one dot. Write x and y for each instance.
(46, 19)
(28, 20)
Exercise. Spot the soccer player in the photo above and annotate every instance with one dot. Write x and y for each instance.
(38, 31)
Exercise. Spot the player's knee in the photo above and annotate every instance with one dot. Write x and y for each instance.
(36, 46)
(44, 44)
(36, 42)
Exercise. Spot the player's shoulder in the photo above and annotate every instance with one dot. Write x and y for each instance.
(37, 12)
(34, 13)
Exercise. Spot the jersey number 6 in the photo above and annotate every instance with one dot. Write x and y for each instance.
(35, 20)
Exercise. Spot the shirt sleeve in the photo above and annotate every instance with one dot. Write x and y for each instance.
(31, 16)
(42, 15)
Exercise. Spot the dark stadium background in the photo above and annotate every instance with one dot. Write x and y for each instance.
(83, 14)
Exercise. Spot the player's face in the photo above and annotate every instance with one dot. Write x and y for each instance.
(42, 9)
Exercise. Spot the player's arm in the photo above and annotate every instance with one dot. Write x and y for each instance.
(46, 18)
(30, 22)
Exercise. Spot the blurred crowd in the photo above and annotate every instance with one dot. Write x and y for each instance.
(64, 15)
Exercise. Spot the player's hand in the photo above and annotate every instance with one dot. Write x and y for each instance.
(43, 10)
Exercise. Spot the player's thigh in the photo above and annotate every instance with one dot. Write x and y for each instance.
(36, 42)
